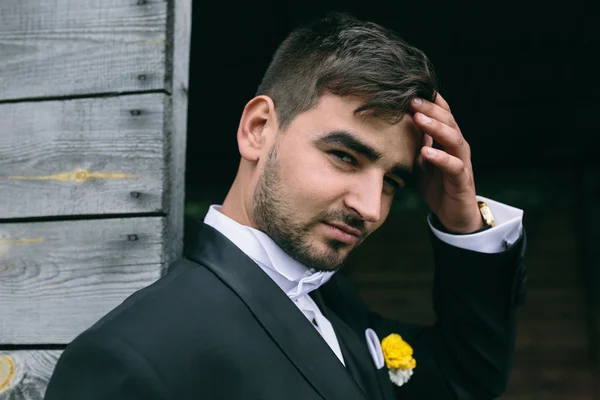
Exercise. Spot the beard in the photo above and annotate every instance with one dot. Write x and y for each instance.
(274, 215)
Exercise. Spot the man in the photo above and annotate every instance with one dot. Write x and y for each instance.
(346, 116)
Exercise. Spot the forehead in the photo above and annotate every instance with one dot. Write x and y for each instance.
(397, 142)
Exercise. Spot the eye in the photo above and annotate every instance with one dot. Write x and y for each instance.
(392, 183)
(344, 157)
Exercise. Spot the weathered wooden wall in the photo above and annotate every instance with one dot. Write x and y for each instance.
(83, 157)
(93, 111)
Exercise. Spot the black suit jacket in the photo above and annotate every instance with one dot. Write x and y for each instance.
(217, 327)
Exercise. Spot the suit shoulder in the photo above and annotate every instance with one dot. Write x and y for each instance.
(186, 315)
(188, 289)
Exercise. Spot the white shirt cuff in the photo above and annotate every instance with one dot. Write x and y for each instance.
(508, 229)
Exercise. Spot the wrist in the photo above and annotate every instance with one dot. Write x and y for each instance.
(476, 226)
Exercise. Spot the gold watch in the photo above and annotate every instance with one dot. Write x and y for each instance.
(486, 214)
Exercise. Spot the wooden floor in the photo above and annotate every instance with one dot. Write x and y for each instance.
(552, 360)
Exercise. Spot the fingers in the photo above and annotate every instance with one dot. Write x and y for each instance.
(439, 126)
(440, 101)
(451, 139)
(427, 140)
(435, 120)
(453, 167)
(439, 110)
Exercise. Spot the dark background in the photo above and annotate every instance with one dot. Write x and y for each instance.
(521, 77)
(522, 81)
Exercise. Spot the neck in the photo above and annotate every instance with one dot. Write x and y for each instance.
(235, 205)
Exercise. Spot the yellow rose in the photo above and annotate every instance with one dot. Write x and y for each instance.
(397, 353)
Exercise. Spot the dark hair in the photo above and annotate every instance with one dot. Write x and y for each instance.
(341, 55)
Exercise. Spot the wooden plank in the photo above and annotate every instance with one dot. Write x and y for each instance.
(548, 382)
(24, 374)
(548, 335)
(589, 215)
(178, 59)
(544, 396)
(58, 278)
(84, 156)
(563, 305)
(566, 358)
(63, 47)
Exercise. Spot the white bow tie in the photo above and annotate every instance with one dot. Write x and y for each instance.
(293, 277)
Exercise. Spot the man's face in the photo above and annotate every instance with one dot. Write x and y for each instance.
(330, 179)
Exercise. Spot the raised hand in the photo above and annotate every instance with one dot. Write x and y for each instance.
(444, 170)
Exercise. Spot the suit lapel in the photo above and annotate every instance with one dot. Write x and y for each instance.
(350, 359)
(375, 382)
(278, 315)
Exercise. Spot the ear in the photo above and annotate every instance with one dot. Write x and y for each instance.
(258, 128)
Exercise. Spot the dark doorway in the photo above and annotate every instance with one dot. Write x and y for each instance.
(521, 80)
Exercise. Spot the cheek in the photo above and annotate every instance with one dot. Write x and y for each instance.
(310, 177)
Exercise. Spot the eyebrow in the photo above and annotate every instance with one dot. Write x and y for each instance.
(349, 141)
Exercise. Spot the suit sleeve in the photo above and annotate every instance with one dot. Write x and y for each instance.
(475, 299)
(95, 367)
(467, 354)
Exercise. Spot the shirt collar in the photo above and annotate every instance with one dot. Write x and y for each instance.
(293, 277)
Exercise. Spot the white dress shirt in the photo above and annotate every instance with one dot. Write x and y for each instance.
(508, 229)
(297, 281)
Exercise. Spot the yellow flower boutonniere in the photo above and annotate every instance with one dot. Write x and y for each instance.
(398, 357)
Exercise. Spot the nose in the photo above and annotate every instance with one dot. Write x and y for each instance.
(365, 198)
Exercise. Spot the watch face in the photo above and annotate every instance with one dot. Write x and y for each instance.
(486, 214)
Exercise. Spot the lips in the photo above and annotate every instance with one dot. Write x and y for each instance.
(346, 229)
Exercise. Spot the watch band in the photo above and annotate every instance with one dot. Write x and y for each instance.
(486, 216)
